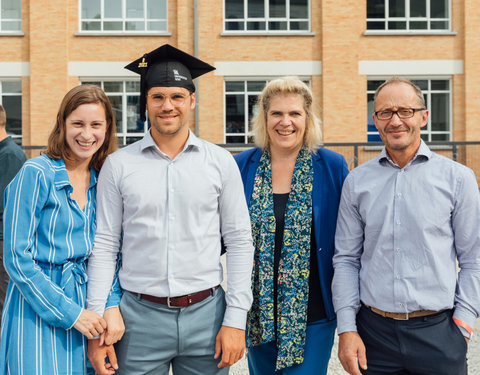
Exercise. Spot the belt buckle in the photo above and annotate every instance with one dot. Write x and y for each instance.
(406, 317)
(170, 306)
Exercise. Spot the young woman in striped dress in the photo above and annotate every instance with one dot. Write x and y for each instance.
(49, 222)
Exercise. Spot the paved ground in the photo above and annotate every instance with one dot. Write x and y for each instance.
(335, 368)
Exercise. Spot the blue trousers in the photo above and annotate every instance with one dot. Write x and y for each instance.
(157, 336)
(318, 346)
(430, 345)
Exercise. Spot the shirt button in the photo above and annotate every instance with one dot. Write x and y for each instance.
(398, 249)
(400, 304)
(172, 190)
(399, 194)
(398, 277)
(399, 222)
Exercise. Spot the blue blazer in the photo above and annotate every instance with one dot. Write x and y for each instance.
(329, 172)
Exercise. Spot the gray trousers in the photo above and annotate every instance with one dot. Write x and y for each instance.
(157, 336)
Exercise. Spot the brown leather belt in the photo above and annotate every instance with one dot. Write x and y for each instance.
(180, 301)
(402, 316)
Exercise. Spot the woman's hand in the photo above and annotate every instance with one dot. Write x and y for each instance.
(115, 326)
(90, 324)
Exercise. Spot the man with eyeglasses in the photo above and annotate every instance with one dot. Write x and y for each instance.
(167, 202)
(405, 219)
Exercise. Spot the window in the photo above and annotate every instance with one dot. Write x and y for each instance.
(124, 96)
(10, 16)
(123, 15)
(437, 94)
(401, 15)
(267, 15)
(11, 99)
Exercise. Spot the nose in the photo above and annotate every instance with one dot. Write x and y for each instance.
(396, 119)
(86, 131)
(286, 120)
(167, 104)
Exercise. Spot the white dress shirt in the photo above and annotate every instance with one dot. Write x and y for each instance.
(168, 218)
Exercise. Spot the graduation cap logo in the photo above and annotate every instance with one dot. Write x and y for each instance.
(166, 66)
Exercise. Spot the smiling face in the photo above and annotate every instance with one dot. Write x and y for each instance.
(168, 118)
(286, 122)
(401, 136)
(85, 130)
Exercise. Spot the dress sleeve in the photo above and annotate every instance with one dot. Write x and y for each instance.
(25, 199)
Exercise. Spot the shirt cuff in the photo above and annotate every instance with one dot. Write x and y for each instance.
(346, 320)
(463, 318)
(466, 330)
(235, 317)
(74, 315)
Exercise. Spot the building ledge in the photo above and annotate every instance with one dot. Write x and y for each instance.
(122, 33)
(409, 32)
(266, 33)
(12, 33)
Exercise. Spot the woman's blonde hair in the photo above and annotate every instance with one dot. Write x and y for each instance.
(285, 86)
(57, 147)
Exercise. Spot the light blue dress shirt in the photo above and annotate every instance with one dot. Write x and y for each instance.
(400, 233)
(169, 217)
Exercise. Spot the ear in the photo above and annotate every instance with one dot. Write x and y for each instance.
(193, 101)
(424, 118)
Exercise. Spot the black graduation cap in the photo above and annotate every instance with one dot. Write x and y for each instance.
(166, 66)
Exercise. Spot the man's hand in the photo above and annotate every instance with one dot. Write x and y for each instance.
(98, 354)
(115, 326)
(230, 344)
(351, 352)
(90, 324)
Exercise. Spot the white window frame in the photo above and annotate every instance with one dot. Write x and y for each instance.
(123, 19)
(3, 94)
(267, 19)
(122, 134)
(426, 130)
(409, 19)
(246, 94)
(2, 19)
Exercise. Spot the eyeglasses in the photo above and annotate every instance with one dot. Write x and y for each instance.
(402, 113)
(177, 100)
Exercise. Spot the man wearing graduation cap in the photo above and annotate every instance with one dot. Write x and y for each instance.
(167, 201)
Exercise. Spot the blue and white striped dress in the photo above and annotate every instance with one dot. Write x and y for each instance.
(47, 239)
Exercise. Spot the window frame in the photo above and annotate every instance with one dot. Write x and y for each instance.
(17, 138)
(122, 134)
(123, 20)
(11, 32)
(427, 129)
(267, 19)
(407, 19)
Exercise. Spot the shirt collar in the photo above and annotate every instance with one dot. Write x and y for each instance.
(423, 152)
(61, 175)
(147, 141)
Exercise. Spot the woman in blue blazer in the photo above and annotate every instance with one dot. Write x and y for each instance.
(293, 188)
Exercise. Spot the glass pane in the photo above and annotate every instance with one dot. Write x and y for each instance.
(91, 9)
(277, 25)
(256, 8)
(255, 85)
(418, 8)
(252, 109)
(113, 87)
(234, 26)
(255, 25)
(235, 114)
(121, 141)
(373, 85)
(157, 25)
(424, 137)
(396, 8)
(375, 8)
(440, 137)
(422, 83)
(440, 112)
(132, 86)
(11, 9)
(418, 25)
(299, 25)
(234, 9)
(11, 26)
(134, 124)
(89, 26)
(235, 139)
(298, 9)
(439, 25)
(278, 8)
(13, 109)
(370, 108)
(375, 25)
(116, 102)
(397, 25)
(439, 8)
(234, 86)
(374, 138)
(139, 25)
(113, 9)
(157, 9)
(134, 9)
(131, 140)
(113, 26)
(12, 87)
(440, 84)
